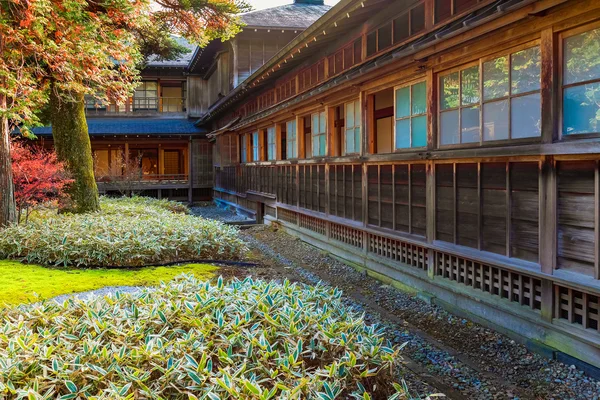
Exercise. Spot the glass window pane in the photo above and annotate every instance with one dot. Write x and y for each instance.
(357, 112)
(525, 70)
(419, 131)
(403, 133)
(322, 142)
(470, 125)
(581, 60)
(469, 80)
(581, 109)
(349, 114)
(349, 141)
(417, 19)
(384, 36)
(419, 98)
(449, 127)
(443, 9)
(401, 28)
(495, 120)
(315, 124)
(403, 102)
(526, 116)
(495, 78)
(151, 86)
(357, 140)
(315, 146)
(449, 92)
(322, 125)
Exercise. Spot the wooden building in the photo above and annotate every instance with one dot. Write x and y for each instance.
(448, 145)
(154, 132)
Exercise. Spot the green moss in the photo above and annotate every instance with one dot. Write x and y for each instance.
(19, 282)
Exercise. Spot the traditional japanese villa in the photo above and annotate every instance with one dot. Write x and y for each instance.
(151, 143)
(450, 146)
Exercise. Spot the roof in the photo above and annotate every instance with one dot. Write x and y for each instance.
(135, 126)
(477, 17)
(183, 61)
(297, 15)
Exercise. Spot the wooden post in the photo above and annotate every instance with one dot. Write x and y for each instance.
(548, 49)
(301, 146)
(369, 124)
(548, 215)
(278, 144)
(430, 215)
(191, 171)
(431, 111)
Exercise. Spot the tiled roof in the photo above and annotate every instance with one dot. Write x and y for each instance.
(296, 15)
(135, 126)
(182, 61)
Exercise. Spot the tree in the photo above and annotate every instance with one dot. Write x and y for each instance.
(38, 177)
(22, 86)
(128, 32)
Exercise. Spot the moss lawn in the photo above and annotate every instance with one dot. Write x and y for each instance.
(20, 282)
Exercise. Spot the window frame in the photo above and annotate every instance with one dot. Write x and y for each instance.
(319, 134)
(479, 63)
(357, 124)
(561, 86)
(410, 84)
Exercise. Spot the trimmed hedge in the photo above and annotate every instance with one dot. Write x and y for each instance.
(193, 340)
(127, 232)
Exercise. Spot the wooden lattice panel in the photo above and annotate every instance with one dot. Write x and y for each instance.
(509, 285)
(347, 235)
(312, 224)
(287, 215)
(406, 253)
(577, 307)
(270, 211)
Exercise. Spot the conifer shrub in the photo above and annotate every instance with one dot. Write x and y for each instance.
(126, 232)
(188, 339)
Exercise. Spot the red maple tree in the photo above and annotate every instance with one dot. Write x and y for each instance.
(38, 177)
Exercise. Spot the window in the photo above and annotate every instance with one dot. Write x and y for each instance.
(271, 143)
(411, 116)
(507, 106)
(319, 129)
(255, 147)
(145, 96)
(444, 9)
(581, 83)
(384, 37)
(292, 146)
(244, 152)
(352, 127)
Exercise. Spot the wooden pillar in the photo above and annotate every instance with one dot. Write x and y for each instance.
(369, 124)
(300, 151)
(161, 160)
(430, 215)
(278, 144)
(547, 232)
(549, 80)
(431, 111)
(191, 171)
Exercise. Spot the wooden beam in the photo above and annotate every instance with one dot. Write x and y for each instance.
(549, 79)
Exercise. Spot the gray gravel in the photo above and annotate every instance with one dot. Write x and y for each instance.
(472, 361)
(211, 211)
(105, 291)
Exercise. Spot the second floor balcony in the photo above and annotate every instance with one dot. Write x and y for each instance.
(151, 98)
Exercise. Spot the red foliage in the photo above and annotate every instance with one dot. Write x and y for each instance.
(38, 176)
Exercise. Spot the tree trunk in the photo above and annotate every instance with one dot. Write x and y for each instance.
(73, 147)
(8, 212)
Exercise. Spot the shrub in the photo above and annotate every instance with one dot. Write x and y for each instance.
(38, 176)
(127, 232)
(188, 339)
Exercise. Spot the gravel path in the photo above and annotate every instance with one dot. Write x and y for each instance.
(109, 290)
(462, 359)
(211, 211)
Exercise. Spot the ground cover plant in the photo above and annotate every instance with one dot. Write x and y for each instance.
(189, 339)
(126, 232)
(30, 283)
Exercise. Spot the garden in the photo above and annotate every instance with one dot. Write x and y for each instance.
(138, 300)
